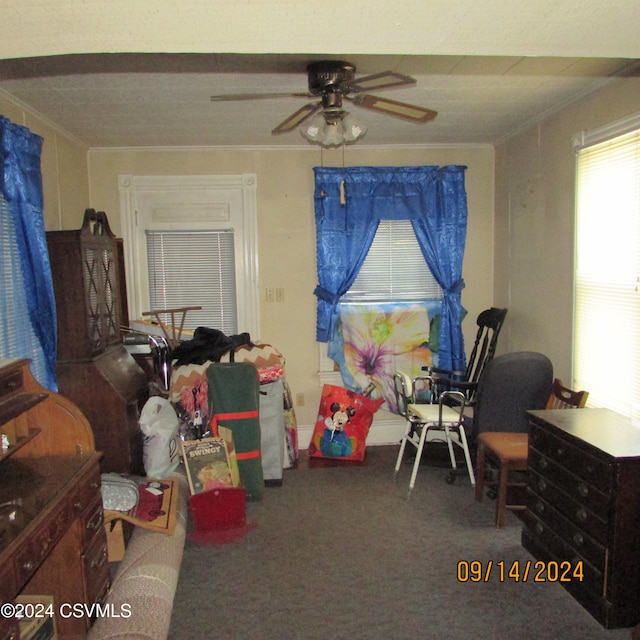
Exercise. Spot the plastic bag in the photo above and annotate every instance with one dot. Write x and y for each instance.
(342, 426)
(161, 446)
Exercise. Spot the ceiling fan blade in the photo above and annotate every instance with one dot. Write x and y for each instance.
(297, 118)
(384, 80)
(257, 96)
(393, 108)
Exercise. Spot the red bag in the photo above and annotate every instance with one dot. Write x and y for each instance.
(343, 422)
(219, 508)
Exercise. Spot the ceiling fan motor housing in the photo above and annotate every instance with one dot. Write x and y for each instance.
(328, 76)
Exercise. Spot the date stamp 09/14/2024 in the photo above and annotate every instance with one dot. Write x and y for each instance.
(520, 571)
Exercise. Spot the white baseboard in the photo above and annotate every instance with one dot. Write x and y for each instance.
(385, 429)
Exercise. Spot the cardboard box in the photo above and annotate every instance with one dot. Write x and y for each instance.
(42, 624)
(115, 540)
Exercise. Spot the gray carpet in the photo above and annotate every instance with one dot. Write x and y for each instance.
(339, 552)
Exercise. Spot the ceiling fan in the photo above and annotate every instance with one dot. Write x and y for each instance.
(333, 81)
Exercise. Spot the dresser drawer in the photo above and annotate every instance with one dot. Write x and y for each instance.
(32, 552)
(573, 486)
(9, 629)
(8, 587)
(556, 548)
(92, 521)
(86, 490)
(541, 489)
(575, 537)
(578, 462)
(96, 569)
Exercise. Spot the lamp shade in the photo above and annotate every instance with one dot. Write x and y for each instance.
(314, 130)
(353, 128)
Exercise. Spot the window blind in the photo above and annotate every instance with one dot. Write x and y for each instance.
(395, 269)
(607, 273)
(17, 336)
(194, 268)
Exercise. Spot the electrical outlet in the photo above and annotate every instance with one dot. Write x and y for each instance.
(279, 294)
(300, 399)
(270, 296)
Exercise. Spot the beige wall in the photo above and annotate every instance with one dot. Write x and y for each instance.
(534, 220)
(286, 228)
(65, 181)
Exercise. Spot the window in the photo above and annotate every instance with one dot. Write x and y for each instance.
(192, 241)
(185, 266)
(395, 269)
(17, 336)
(607, 270)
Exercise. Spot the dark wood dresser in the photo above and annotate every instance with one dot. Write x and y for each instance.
(94, 369)
(52, 536)
(584, 507)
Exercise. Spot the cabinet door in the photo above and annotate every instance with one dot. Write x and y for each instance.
(101, 286)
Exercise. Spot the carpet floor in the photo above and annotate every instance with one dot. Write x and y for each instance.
(338, 552)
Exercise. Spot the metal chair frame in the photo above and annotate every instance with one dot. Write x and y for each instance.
(446, 416)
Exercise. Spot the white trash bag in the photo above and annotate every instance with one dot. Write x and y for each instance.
(161, 446)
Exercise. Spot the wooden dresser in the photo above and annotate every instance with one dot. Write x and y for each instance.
(584, 507)
(52, 538)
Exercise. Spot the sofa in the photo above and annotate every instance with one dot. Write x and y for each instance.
(145, 581)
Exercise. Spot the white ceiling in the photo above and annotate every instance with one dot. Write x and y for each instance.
(145, 98)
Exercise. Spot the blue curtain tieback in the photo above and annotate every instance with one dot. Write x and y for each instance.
(324, 294)
(456, 287)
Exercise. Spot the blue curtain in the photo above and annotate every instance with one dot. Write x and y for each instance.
(343, 237)
(350, 201)
(21, 189)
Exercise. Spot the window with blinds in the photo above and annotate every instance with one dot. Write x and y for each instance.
(395, 269)
(607, 272)
(194, 268)
(17, 336)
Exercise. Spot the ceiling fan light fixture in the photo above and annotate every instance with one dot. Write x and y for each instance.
(333, 135)
(314, 130)
(333, 129)
(353, 127)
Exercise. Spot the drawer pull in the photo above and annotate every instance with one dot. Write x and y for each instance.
(539, 507)
(96, 520)
(28, 565)
(578, 538)
(542, 463)
(583, 490)
(94, 485)
(542, 485)
(101, 559)
(581, 514)
(539, 528)
(559, 452)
